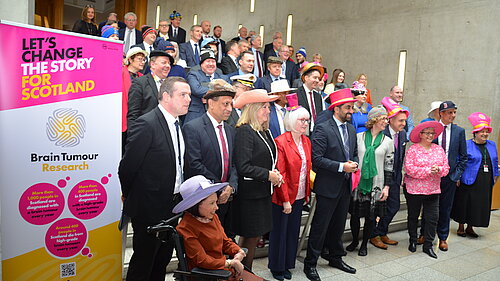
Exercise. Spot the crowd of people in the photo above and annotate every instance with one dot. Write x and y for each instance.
(237, 138)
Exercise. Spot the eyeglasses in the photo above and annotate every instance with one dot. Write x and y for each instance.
(163, 25)
(303, 121)
(357, 92)
(428, 133)
(89, 6)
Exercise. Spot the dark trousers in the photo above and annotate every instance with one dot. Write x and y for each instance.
(393, 203)
(430, 204)
(330, 216)
(448, 188)
(151, 256)
(284, 238)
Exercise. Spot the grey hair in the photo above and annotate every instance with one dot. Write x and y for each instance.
(291, 118)
(130, 14)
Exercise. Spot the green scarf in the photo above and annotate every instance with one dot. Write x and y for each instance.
(369, 168)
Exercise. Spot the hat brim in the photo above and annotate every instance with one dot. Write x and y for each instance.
(164, 54)
(214, 94)
(490, 129)
(341, 102)
(197, 197)
(283, 92)
(241, 101)
(316, 67)
(415, 133)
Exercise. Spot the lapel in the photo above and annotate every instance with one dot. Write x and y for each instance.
(292, 144)
(302, 97)
(273, 120)
(166, 131)
(212, 136)
(452, 143)
(229, 140)
(337, 133)
(152, 84)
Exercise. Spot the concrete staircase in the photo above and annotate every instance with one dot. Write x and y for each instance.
(398, 223)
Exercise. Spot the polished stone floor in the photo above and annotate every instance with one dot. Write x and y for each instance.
(466, 259)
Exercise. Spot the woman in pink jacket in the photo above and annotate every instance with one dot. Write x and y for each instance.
(425, 164)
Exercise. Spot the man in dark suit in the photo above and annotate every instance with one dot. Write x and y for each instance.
(176, 33)
(273, 74)
(289, 69)
(308, 97)
(453, 142)
(242, 34)
(241, 84)
(276, 45)
(111, 17)
(198, 81)
(143, 93)
(221, 44)
(210, 144)
(397, 122)
(269, 46)
(190, 51)
(246, 61)
(229, 63)
(256, 42)
(334, 158)
(129, 35)
(278, 108)
(148, 44)
(150, 174)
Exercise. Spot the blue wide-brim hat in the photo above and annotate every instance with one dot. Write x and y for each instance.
(194, 190)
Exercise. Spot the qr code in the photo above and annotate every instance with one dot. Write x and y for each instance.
(68, 269)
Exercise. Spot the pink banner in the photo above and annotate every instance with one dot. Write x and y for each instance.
(47, 67)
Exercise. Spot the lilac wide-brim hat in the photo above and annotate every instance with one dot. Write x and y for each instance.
(415, 133)
(194, 190)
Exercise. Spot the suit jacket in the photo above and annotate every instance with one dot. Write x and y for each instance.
(138, 35)
(263, 68)
(227, 65)
(303, 99)
(457, 152)
(186, 53)
(198, 81)
(291, 72)
(265, 82)
(274, 125)
(233, 118)
(289, 164)
(221, 48)
(181, 35)
(399, 156)
(146, 172)
(327, 154)
(121, 24)
(267, 49)
(203, 156)
(253, 162)
(142, 97)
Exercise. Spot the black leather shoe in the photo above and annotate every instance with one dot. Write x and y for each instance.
(340, 264)
(412, 247)
(430, 252)
(287, 274)
(363, 251)
(311, 273)
(351, 247)
(278, 275)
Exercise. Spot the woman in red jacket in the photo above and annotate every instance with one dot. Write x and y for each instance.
(294, 164)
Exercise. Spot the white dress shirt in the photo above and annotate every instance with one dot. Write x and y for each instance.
(173, 134)
(447, 131)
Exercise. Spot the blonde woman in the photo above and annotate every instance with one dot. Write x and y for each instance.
(255, 158)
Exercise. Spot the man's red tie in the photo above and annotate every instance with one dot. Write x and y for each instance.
(313, 110)
(225, 154)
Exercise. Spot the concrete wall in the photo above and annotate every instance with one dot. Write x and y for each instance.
(453, 45)
(18, 11)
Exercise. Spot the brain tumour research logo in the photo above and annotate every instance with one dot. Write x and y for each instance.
(66, 127)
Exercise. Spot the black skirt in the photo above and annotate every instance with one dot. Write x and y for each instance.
(472, 204)
(251, 217)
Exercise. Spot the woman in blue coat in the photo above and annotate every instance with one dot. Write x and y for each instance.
(472, 204)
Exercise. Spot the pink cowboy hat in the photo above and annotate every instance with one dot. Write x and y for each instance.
(253, 96)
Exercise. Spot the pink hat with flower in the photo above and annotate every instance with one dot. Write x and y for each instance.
(393, 108)
(479, 122)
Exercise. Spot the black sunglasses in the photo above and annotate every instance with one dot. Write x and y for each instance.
(358, 92)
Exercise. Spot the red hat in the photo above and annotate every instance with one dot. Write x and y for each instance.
(340, 97)
(479, 122)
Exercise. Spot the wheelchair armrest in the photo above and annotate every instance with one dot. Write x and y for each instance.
(217, 273)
